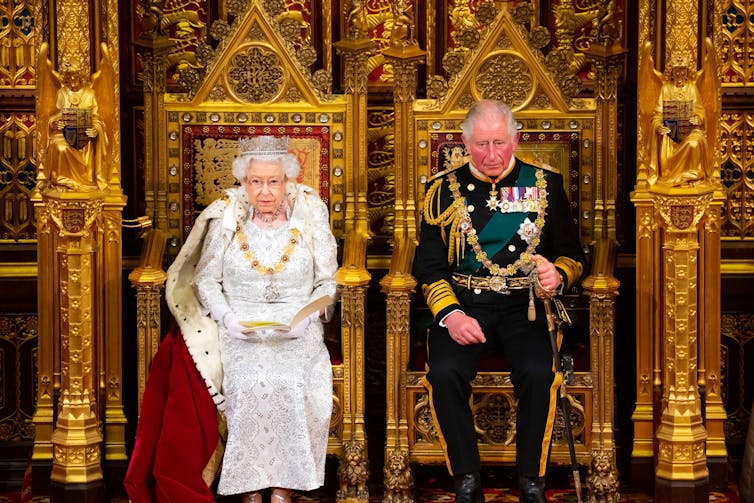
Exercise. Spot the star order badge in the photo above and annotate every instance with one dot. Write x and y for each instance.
(492, 202)
(527, 230)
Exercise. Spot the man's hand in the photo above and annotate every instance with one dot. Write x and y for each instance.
(464, 329)
(549, 277)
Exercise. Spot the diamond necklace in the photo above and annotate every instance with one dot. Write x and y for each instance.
(266, 219)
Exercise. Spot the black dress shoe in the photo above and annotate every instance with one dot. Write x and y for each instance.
(468, 488)
(532, 489)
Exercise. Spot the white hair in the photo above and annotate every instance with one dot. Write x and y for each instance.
(488, 108)
(242, 163)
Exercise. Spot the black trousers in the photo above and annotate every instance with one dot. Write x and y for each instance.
(451, 367)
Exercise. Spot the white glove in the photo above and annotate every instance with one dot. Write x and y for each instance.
(327, 315)
(300, 329)
(233, 325)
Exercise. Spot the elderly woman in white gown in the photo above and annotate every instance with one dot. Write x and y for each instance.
(268, 253)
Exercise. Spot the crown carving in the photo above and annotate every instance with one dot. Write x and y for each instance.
(264, 146)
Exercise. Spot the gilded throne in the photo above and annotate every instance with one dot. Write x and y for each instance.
(557, 130)
(256, 83)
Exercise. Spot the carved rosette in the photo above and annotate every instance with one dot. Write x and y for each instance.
(495, 417)
(515, 89)
(256, 75)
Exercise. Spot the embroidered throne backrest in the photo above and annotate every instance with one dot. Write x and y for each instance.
(253, 84)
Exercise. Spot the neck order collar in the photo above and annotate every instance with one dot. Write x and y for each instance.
(481, 176)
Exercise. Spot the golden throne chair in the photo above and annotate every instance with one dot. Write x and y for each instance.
(255, 84)
(557, 130)
(493, 402)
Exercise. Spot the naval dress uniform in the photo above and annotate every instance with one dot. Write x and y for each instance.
(474, 254)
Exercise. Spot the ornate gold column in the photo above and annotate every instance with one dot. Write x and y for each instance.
(607, 56)
(398, 285)
(678, 202)
(709, 372)
(153, 46)
(353, 277)
(77, 439)
(80, 420)
(681, 469)
(148, 279)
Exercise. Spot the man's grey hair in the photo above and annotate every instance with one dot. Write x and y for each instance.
(241, 165)
(488, 108)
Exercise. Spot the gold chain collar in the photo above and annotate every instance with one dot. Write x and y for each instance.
(259, 267)
(524, 261)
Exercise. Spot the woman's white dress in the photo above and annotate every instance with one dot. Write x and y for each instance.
(278, 389)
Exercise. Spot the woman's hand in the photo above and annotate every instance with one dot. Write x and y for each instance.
(233, 325)
(464, 329)
(300, 329)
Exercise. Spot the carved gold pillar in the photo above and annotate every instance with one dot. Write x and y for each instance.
(153, 48)
(709, 344)
(48, 356)
(148, 279)
(355, 54)
(80, 421)
(405, 61)
(648, 319)
(681, 470)
(109, 332)
(77, 439)
(398, 285)
(353, 277)
(353, 285)
(601, 285)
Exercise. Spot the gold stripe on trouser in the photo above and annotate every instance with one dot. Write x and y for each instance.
(543, 455)
(554, 388)
(436, 422)
(444, 445)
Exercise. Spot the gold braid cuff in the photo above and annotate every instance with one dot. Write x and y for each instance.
(572, 269)
(439, 295)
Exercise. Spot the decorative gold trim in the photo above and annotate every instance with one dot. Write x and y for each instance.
(18, 270)
(736, 266)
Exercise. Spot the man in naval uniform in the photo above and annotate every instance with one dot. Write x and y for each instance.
(491, 228)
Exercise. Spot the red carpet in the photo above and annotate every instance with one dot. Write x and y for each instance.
(432, 485)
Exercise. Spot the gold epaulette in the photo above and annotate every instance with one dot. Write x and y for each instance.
(537, 163)
(440, 174)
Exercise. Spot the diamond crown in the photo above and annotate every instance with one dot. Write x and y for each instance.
(264, 146)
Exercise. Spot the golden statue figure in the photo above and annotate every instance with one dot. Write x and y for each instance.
(681, 144)
(75, 116)
(356, 19)
(402, 33)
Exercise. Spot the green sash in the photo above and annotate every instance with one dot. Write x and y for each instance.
(501, 227)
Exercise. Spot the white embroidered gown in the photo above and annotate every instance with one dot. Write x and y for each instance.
(278, 390)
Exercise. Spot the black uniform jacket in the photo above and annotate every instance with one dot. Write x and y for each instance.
(444, 248)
